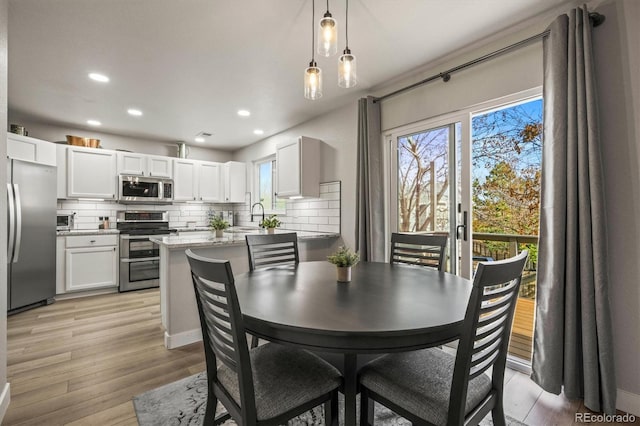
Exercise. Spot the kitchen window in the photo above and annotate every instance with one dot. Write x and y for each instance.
(265, 172)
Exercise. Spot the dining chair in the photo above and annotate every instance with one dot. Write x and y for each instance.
(419, 249)
(267, 385)
(432, 387)
(268, 250)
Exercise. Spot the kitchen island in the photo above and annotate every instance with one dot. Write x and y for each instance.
(177, 299)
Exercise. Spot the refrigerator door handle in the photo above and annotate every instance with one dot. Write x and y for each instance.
(18, 224)
(11, 223)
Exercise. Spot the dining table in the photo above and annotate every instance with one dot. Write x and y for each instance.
(384, 308)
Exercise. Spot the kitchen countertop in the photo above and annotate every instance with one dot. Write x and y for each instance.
(87, 232)
(229, 239)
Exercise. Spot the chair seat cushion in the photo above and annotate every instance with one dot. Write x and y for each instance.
(283, 379)
(420, 382)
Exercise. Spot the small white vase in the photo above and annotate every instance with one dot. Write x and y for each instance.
(271, 230)
(344, 274)
(219, 233)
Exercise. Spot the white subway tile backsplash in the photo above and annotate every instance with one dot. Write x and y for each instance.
(329, 228)
(334, 221)
(321, 220)
(318, 205)
(334, 204)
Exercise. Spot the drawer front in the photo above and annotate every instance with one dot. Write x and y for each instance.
(91, 241)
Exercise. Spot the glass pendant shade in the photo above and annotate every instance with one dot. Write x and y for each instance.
(328, 36)
(313, 82)
(347, 76)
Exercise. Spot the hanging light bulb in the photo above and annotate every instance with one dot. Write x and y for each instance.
(328, 35)
(347, 70)
(313, 82)
(347, 63)
(313, 74)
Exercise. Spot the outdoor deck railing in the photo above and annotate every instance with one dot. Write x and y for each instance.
(520, 344)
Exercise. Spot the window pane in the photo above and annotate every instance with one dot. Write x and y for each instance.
(265, 190)
(423, 181)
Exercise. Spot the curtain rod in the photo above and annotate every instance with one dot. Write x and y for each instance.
(595, 17)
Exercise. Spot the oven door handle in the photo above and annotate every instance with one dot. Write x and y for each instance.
(138, 237)
(141, 259)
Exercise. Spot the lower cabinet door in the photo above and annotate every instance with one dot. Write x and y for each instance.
(91, 267)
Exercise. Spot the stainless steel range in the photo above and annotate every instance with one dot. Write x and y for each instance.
(139, 257)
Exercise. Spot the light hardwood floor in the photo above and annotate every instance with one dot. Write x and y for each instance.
(80, 362)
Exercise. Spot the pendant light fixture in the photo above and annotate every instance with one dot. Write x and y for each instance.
(347, 63)
(313, 74)
(328, 35)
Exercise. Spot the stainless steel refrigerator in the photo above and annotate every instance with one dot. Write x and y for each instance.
(31, 234)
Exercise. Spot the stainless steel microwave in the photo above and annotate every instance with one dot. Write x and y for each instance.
(147, 190)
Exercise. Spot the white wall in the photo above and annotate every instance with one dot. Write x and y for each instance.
(4, 392)
(617, 55)
(338, 130)
(618, 45)
(54, 133)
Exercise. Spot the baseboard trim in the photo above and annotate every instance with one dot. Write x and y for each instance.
(172, 341)
(628, 402)
(5, 398)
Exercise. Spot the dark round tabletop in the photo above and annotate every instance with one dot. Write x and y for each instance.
(384, 308)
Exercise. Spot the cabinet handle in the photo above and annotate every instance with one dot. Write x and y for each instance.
(143, 173)
(92, 241)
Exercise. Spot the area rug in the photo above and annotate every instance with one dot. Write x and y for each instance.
(183, 403)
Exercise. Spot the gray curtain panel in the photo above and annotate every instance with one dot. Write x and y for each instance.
(573, 345)
(370, 238)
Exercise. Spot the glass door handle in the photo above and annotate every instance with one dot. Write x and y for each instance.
(463, 227)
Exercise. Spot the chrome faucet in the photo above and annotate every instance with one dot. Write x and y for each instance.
(257, 204)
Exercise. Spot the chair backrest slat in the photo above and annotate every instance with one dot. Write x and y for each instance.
(222, 326)
(418, 249)
(272, 250)
(487, 326)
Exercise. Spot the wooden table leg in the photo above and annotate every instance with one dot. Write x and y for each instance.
(350, 388)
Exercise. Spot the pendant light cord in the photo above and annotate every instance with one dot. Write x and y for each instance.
(327, 6)
(346, 25)
(313, 21)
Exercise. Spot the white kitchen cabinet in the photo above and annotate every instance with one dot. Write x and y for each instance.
(31, 149)
(209, 175)
(133, 164)
(130, 163)
(235, 182)
(91, 262)
(60, 264)
(298, 168)
(185, 180)
(91, 173)
(159, 166)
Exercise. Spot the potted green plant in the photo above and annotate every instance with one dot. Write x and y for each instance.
(270, 223)
(218, 224)
(344, 259)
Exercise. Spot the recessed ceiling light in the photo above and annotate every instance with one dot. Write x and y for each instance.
(199, 139)
(99, 77)
(244, 113)
(258, 131)
(134, 112)
(93, 123)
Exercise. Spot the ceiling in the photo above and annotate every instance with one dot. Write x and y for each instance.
(190, 65)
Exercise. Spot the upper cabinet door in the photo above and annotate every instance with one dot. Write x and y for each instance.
(91, 173)
(235, 182)
(159, 166)
(132, 164)
(210, 182)
(185, 180)
(31, 149)
(298, 168)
